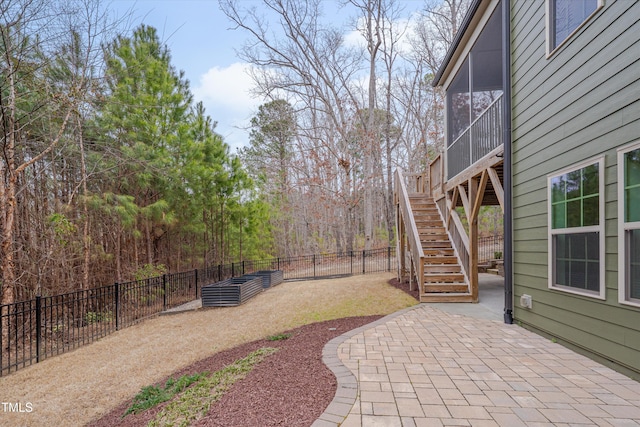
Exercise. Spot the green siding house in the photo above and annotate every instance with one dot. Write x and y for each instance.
(571, 87)
(575, 142)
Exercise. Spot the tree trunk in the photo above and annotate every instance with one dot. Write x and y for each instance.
(86, 246)
(374, 42)
(8, 190)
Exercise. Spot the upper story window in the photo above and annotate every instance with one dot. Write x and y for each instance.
(576, 245)
(629, 224)
(566, 16)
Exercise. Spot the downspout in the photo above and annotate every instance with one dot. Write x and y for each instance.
(508, 215)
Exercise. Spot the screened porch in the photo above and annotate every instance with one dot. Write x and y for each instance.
(475, 102)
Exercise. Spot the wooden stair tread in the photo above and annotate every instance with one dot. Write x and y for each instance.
(443, 277)
(438, 251)
(443, 269)
(445, 288)
(435, 259)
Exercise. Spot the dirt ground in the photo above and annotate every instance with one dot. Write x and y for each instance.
(74, 388)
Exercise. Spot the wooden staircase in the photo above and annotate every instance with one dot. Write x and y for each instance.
(443, 279)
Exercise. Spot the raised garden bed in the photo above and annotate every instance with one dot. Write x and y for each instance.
(231, 292)
(269, 277)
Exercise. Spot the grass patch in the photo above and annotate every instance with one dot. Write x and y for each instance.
(153, 395)
(359, 299)
(197, 400)
(280, 337)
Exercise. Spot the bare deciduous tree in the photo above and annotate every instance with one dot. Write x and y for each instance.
(35, 113)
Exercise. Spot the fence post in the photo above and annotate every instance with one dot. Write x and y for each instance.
(314, 266)
(233, 273)
(243, 268)
(351, 253)
(219, 273)
(278, 264)
(388, 258)
(364, 268)
(164, 292)
(196, 280)
(38, 326)
(116, 296)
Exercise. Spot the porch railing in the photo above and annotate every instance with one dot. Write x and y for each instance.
(483, 136)
(436, 177)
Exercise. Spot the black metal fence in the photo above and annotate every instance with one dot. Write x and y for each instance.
(31, 331)
(490, 248)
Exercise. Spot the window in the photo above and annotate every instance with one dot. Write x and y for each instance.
(629, 224)
(576, 246)
(566, 16)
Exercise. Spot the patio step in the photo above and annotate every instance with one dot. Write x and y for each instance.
(447, 297)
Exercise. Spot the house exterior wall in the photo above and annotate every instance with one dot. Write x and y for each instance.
(581, 102)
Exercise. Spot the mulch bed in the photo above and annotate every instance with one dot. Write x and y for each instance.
(404, 286)
(290, 388)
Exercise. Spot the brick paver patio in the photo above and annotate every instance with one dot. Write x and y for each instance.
(427, 367)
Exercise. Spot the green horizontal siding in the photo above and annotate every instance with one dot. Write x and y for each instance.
(581, 103)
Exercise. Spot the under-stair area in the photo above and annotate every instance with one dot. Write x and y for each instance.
(443, 279)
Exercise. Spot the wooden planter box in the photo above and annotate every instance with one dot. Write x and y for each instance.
(269, 277)
(231, 292)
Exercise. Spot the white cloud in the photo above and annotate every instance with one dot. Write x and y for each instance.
(225, 93)
(355, 39)
(227, 87)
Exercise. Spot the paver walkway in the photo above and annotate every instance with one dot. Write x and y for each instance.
(427, 367)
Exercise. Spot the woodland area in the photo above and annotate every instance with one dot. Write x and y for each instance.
(111, 171)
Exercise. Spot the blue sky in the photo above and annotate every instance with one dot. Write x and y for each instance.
(202, 44)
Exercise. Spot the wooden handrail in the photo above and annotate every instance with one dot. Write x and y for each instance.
(436, 176)
(418, 182)
(402, 198)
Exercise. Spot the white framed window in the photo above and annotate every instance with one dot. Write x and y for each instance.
(576, 229)
(565, 17)
(629, 224)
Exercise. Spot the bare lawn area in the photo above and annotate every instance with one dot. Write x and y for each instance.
(80, 386)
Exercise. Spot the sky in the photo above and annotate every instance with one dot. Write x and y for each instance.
(203, 45)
